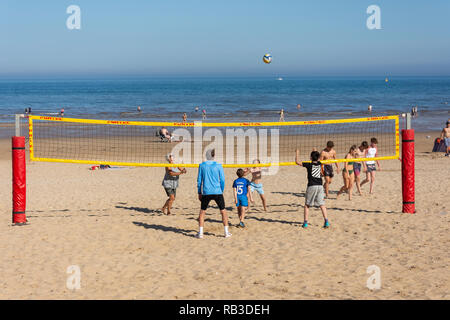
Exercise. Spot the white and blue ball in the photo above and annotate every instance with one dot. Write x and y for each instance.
(267, 58)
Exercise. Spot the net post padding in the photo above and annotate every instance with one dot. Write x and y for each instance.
(18, 180)
(408, 189)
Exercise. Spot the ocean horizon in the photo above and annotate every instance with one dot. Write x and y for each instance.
(230, 98)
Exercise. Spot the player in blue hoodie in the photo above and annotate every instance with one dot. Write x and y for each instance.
(210, 186)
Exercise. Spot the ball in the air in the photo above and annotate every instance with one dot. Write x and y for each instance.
(267, 58)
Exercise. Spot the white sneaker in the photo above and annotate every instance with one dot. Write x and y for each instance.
(227, 235)
(199, 236)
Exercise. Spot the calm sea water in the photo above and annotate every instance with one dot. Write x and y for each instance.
(228, 99)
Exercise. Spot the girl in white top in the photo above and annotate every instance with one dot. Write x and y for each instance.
(369, 166)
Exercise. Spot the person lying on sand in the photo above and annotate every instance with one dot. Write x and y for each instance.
(166, 134)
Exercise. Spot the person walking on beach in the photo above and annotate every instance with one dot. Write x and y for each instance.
(241, 188)
(204, 114)
(256, 183)
(170, 183)
(210, 186)
(139, 109)
(61, 113)
(314, 192)
(348, 173)
(360, 153)
(184, 117)
(445, 134)
(281, 115)
(328, 154)
(370, 167)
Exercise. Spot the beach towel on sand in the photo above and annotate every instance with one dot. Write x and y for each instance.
(439, 145)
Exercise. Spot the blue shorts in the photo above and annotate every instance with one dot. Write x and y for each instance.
(242, 202)
(447, 142)
(256, 186)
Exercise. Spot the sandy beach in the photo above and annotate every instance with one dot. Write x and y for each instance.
(108, 223)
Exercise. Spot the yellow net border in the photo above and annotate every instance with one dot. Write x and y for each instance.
(209, 124)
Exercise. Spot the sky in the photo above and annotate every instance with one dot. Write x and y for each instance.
(224, 38)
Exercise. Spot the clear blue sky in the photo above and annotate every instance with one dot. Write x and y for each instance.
(212, 37)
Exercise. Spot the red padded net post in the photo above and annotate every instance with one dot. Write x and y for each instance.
(408, 188)
(18, 180)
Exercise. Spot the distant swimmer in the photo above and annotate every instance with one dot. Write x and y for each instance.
(196, 109)
(139, 109)
(369, 108)
(61, 113)
(282, 115)
(184, 117)
(298, 107)
(204, 114)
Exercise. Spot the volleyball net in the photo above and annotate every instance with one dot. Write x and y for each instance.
(236, 144)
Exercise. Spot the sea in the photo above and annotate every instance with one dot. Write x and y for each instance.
(230, 99)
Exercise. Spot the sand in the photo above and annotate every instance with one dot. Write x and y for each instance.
(108, 223)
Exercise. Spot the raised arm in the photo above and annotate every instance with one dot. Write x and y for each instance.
(297, 158)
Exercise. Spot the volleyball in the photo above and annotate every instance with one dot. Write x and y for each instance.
(267, 58)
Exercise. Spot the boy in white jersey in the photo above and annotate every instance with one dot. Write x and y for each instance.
(369, 166)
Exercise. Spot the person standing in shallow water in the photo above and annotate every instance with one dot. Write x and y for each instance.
(170, 183)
